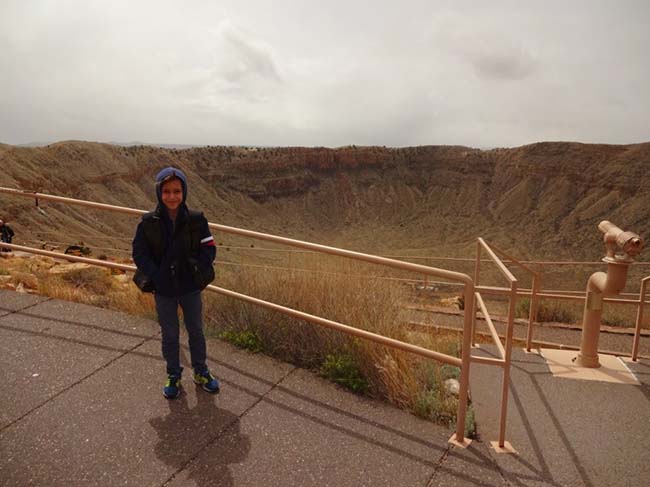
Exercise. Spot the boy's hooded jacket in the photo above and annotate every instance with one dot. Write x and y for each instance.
(171, 275)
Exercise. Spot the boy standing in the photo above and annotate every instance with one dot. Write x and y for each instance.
(174, 249)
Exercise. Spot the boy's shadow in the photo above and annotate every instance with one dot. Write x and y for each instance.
(184, 433)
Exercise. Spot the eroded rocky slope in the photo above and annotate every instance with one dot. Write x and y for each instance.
(539, 201)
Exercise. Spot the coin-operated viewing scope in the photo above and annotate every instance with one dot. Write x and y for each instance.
(621, 246)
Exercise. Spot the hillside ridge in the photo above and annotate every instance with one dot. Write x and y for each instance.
(541, 200)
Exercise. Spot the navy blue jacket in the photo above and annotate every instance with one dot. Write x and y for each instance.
(174, 252)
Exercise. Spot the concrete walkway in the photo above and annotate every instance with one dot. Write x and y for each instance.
(82, 405)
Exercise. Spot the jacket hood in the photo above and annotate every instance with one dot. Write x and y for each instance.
(166, 174)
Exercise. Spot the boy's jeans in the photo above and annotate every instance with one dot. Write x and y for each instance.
(167, 309)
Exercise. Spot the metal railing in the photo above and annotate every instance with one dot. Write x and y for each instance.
(505, 352)
(464, 362)
(540, 295)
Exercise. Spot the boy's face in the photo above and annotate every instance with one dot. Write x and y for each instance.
(172, 194)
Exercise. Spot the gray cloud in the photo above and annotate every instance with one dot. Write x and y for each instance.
(511, 64)
(248, 56)
(489, 74)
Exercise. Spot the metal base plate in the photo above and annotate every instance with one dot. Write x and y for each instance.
(612, 369)
(506, 448)
(455, 442)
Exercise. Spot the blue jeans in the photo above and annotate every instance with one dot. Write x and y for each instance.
(167, 309)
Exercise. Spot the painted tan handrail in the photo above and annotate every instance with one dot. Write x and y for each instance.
(505, 351)
(534, 292)
(407, 347)
(433, 271)
(639, 318)
(554, 294)
(459, 436)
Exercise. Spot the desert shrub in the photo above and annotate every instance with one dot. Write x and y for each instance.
(94, 280)
(95, 286)
(243, 339)
(343, 370)
(555, 312)
(621, 315)
(470, 422)
(131, 300)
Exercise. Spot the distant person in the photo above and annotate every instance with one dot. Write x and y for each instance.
(174, 251)
(6, 235)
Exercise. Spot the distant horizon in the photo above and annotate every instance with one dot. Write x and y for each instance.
(165, 145)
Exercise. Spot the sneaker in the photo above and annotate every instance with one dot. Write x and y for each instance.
(207, 382)
(172, 387)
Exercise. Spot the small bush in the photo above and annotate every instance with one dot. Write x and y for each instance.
(94, 280)
(612, 319)
(620, 315)
(450, 372)
(343, 370)
(470, 422)
(427, 405)
(248, 340)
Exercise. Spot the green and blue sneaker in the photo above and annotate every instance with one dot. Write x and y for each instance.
(172, 387)
(207, 382)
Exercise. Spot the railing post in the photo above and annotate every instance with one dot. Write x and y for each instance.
(506, 367)
(477, 273)
(639, 319)
(532, 312)
(463, 394)
(477, 264)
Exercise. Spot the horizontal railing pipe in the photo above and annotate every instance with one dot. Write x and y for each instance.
(570, 296)
(418, 268)
(71, 258)
(289, 311)
(71, 201)
(341, 327)
(488, 361)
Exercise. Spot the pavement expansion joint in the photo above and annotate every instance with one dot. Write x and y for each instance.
(48, 298)
(271, 389)
(439, 465)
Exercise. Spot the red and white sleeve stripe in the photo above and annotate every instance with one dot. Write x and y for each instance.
(209, 241)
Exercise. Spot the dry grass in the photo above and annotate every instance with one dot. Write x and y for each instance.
(98, 289)
(95, 286)
(403, 379)
(614, 314)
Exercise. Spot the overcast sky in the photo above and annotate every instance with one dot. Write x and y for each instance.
(331, 73)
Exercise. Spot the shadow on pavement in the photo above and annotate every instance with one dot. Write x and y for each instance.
(177, 433)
